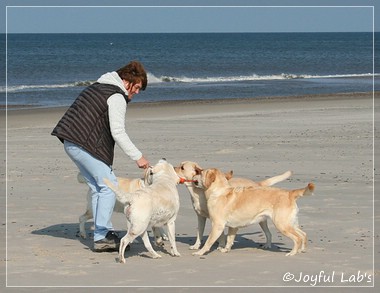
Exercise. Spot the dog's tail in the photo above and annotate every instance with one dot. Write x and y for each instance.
(273, 180)
(308, 190)
(122, 196)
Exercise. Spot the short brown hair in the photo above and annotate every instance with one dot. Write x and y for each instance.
(134, 72)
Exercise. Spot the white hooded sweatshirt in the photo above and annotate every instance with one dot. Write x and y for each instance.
(117, 108)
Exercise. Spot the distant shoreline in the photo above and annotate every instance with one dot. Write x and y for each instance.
(137, 104)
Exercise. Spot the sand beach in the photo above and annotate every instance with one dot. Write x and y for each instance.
(326, 139)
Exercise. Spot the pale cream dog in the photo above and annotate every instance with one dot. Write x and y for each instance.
(127, 185)
(237, 207)
(188, 170)
(157, 204)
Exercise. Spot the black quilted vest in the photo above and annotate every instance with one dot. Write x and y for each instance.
(86, 122)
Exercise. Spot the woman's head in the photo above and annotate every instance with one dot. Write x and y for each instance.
(134, 73)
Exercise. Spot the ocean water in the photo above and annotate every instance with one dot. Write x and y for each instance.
(47, 70)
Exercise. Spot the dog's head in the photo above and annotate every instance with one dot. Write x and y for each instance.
(160, 169)
(210, 178)
(188, 170)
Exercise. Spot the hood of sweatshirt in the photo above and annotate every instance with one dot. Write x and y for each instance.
(112, 78)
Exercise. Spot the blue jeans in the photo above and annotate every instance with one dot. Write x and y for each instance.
(103, 198)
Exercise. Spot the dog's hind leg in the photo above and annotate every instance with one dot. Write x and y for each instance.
(127, 239)
(264, 225)
(148, 246)
(303, 236)
(290, 232)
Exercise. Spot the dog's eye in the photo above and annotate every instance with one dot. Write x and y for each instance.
(182, 168)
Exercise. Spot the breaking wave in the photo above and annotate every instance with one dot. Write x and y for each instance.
(152, 79)
(252, 77)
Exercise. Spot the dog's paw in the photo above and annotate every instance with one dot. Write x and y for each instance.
(159, 242)
(195, 246)
(174, 252)
(266, 246)
(291, 253)
(121, 260)
(224, 250)
(198, 253)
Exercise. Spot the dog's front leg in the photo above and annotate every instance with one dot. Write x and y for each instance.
(222, 241)
(158, 234)
(264, 225)
(230, 239)
(163, 234)
(216, 231)
(303, 236)
(171, 234)
(200, 231)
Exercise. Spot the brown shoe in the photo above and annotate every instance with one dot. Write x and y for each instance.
(110, 243)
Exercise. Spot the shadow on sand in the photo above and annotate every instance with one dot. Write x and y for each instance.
(71, 231)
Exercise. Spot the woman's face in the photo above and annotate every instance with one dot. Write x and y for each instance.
(132, 89)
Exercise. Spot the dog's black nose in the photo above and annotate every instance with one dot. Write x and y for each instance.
(164, 159)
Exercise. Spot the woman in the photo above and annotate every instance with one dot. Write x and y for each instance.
(89, 130)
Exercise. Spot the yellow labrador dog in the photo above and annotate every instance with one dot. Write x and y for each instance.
(187, 170)
(237, 207)
(157, 204)
(127, 185)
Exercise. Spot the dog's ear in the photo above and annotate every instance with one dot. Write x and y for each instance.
(210, 177)
(148, 176)
(141, 183)
(155, 169)
(229, 175)
(198, 169)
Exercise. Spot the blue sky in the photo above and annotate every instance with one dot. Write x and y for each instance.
(37, 18)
